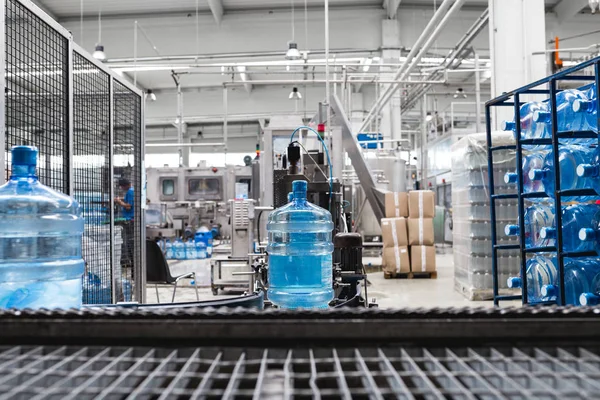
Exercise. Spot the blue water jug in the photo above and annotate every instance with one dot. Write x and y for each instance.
(570, 157)
(300, 253)
(580, 277)
(575, 218)
(568, 119)
(588, 108)
(591, 170)
(534, 160)
(179, 249)
(190, 250)
(169, 255)
(541, 272)
(530, 129)
(40, 240)
(537, 217)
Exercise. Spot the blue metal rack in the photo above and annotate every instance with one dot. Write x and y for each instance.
(512, 99)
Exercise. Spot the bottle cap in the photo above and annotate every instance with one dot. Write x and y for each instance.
(541, 116)
(508, 125)
(581, 105)
(24, 155)
(299, 189)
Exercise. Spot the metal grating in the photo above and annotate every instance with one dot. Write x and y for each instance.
(69, 372)
(91, 174)
(37, 93)
(127, 164)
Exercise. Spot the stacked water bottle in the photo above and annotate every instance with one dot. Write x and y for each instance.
(579, 169)
(197, 248)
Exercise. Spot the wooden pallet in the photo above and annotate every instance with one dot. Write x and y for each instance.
(411, 275)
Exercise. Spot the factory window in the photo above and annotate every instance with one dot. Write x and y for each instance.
(204, 186)
(168, 187)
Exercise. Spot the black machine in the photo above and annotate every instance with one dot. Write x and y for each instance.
(349, 275)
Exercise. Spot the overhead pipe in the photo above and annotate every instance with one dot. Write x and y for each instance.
(458, 52)
(427, 32)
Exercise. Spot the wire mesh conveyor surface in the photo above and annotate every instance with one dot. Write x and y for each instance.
(338, 373)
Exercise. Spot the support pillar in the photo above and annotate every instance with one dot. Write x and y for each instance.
(390, 125)
(517, 29)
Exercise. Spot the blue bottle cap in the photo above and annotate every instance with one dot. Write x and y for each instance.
(24, 155)
(588, 299)
(299, 189)
(514, 282)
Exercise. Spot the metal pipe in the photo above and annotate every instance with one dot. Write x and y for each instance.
(477, 95)
(225, 116)
(433, 22)
(184, 144)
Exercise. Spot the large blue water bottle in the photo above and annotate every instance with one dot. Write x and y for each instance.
(588, 108)
(530, 129)
(575, 218)
(570, 157)
(537, 217)
(40, 240)
(300, 253)
(580, 276)
(541, 273)
(568, 119)
(534, 160)
(591, 170)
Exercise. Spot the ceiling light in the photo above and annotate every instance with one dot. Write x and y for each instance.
(293, 53)
(99, 53)
(287, 67)
(594, 5)
(460, 93)
(222, 70)
(295, 94)
(150, 95)
(429, 117)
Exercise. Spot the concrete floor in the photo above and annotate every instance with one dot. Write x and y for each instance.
(390, 293)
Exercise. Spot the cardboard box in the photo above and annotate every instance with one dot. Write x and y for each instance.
(394, 232)
(396, 260)
(422, 258)
(421, 204)
(396, 204)
(420, 231)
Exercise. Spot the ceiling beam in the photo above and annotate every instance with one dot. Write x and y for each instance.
(567, 9)
(216, 7)
(45, 9)
(391, 7)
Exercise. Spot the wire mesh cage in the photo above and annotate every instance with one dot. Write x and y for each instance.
(37, 93)
(87, 124)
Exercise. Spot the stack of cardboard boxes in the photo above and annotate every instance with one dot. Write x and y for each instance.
(407, 233)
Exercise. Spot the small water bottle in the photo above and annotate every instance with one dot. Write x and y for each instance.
(169, 250)
(190, 250)
(179, 249)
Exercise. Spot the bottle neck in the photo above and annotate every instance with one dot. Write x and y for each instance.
(299, 197)
(23, 171)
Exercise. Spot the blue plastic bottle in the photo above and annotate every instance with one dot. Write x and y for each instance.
(300, 253)
(570, 157)
(537, 218)
(534, 160)
(568, 119)
(190, 250)
(530, 129)
(591, 170)
(179, 249)
(580, 275)
(201, 250)
(575, 218)
(169, 250)
(588, 108)
(40, 240)
(541, 272)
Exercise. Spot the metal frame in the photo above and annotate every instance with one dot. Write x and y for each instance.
(72, 48)
(512, 99)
